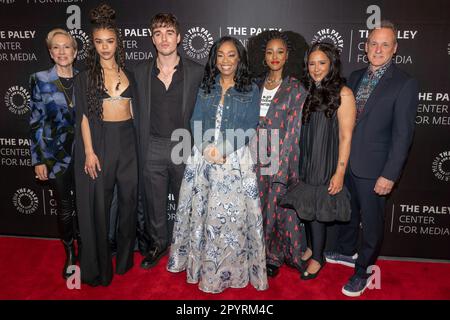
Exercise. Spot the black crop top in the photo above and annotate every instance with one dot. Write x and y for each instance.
(125, 94)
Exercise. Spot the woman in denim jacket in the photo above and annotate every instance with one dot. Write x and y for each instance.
(218, 232)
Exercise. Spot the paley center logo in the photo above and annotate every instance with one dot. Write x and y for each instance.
(441, 166)
(331, 36)
(197, 42)
(83, 42)
(16, 100)
(25, 201)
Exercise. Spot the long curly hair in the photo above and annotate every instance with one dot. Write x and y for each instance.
(296, 46)
(328, 93)
(242, 79)
(102, 17)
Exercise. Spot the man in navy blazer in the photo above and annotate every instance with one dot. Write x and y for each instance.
(386, 99)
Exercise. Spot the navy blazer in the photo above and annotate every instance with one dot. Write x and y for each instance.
(383, 134)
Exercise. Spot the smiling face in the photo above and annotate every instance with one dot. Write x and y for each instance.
(105, 42)
(318, 65)
(227, 59)
(166, 40)
(62, 50)
(276, 54)
(381, 47)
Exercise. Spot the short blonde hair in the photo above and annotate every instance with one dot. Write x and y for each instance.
(57, 31)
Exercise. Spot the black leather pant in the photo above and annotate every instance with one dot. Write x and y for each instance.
(65, 197)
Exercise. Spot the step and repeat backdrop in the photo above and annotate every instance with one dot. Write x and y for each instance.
(418, 211)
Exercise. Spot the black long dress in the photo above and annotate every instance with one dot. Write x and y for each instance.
(319, 150)
(92, 198)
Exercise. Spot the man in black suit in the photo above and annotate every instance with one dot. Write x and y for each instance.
(167, 89)
(386, 100)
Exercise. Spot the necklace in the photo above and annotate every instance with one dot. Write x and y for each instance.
(273, 81)
(63, 89)
(66, 79)
(118, 76)
(118, 82)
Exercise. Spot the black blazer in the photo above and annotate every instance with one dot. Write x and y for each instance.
(192, 77)
(384, 132)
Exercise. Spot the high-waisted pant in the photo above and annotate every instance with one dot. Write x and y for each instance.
(120, 169)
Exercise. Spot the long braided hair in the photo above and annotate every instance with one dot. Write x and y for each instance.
(102, 17)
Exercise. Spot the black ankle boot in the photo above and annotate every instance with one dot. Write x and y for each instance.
(71, 258)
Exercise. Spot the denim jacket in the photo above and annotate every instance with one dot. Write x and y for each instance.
(240, 111)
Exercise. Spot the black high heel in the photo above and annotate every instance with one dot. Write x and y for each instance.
(305, 275)
(304, 264)
(272, 270)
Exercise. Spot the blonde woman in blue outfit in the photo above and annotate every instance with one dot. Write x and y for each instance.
(52, 123)
(218, 232)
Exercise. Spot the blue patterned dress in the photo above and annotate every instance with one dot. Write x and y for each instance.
(218, 233)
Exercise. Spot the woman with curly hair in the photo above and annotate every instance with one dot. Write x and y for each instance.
(329, 113)
(218, 231)
(282, 98)
(106, 153)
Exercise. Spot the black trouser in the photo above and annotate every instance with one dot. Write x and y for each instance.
(160, 173)
(367, 209)
(64, 186)
(316, 236)
(120, 169)
(112, 234)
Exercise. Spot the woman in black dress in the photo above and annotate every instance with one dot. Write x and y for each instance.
(327, 124)
(106, 153)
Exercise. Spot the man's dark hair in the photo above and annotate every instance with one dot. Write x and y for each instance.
(164, 20)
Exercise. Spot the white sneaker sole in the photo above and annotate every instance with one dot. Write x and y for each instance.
(344, 263)
(354, 294)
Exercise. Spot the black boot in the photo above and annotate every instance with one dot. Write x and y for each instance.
(71, 258)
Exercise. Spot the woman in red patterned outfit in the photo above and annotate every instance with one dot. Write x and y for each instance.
(279, 130)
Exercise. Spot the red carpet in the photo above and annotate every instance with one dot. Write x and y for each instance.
(30, 269)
